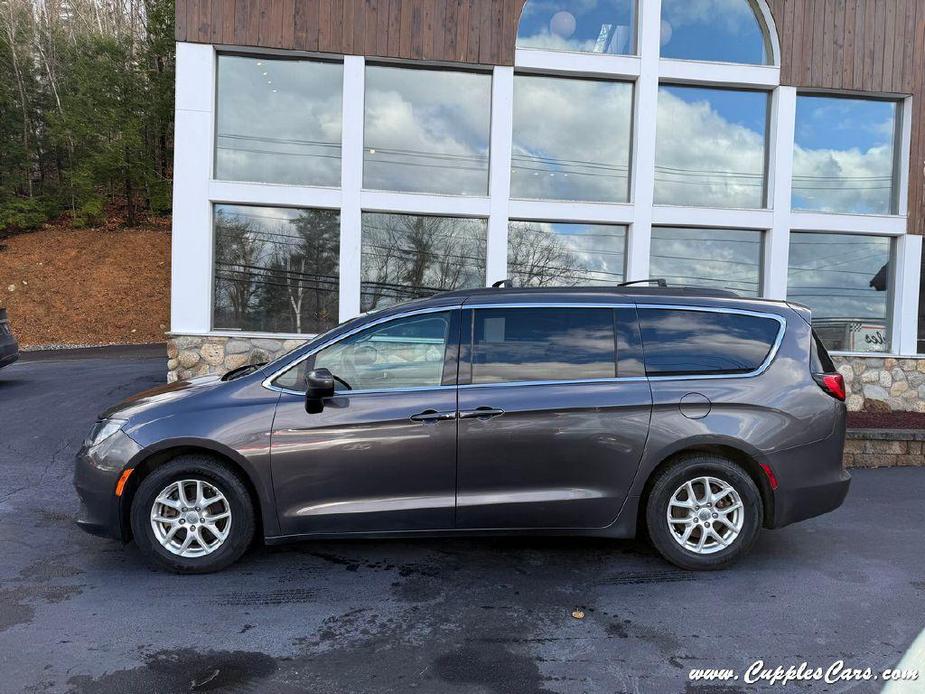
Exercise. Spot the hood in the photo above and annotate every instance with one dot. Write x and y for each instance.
(160, 395)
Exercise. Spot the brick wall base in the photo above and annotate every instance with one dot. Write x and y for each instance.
(884, 448)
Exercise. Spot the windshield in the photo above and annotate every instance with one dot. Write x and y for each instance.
(280, 360)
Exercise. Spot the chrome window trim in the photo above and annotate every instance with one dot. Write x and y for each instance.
(268, 381)
(782, 322)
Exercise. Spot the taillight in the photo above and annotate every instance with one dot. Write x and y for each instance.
(833, 384)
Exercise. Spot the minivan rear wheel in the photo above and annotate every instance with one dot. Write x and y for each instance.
(192, 515)
(703, 512)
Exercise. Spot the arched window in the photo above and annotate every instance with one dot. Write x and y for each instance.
(725, 31)
(605, 26)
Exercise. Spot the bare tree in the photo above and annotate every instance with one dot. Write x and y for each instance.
(538, 258)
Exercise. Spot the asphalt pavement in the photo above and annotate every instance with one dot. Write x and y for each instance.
(79, 613)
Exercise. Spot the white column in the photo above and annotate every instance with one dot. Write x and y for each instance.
(646, 106)
(499, 176)
(191, 241)
(351, 178)
(905, 150)
(908, 260)
(780, 177)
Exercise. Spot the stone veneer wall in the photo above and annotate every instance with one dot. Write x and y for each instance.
(884, 448)
(875, 384)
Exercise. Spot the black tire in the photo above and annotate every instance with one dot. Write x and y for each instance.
(691, 468)
(217, 475)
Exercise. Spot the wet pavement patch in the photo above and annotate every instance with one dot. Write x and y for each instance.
(182, 671)
(491, 666)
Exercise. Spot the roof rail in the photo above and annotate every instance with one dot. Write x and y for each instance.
(503, 284)
(657, 281)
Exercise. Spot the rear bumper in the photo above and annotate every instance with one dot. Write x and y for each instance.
(793, 505)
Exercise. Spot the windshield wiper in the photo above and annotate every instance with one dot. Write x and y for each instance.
(243, 371)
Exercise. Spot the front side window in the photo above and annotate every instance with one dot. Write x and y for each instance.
(691, 343)
(549, 254)
(426, 131)
(542, 344)
(412, 256)
(571, 139)
(275, 269)
(579, 26)
(844, 157)
(716, 258)
(710, 147)
(727, 31)
(846, 280)
(403, 353)
(278, 121)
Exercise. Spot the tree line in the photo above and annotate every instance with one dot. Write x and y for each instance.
(86, 109)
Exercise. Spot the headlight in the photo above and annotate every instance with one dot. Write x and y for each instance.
(103, 430)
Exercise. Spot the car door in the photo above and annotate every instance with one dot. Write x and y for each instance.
(381, 455)
(550, 431)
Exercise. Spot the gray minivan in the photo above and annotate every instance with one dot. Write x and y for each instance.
(696, 416)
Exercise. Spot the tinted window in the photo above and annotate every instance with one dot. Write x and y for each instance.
(820, 361)
(525, 344)
(704, 342)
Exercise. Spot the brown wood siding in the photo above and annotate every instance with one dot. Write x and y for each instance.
(850, 45)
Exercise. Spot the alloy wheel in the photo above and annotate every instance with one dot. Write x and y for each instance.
(191, 518)
(705, 515)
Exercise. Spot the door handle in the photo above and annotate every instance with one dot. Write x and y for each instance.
(432, 416)
(481, 413)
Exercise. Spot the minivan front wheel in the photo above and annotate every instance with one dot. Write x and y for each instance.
(703, 512)
(192, 515)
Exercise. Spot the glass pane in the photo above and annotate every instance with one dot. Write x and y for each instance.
(411, 256)
(571, 139)
(404, 353)
(717, 258)
(276, 269)
(542, 344)
(726, 31)
(278, 121)
(710, 147)
(843, 159)
(846, 280)
(546, 254)
(605, 26)
(702, 342)
(426, 131)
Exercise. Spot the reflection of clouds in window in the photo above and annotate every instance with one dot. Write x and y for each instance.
(426, 131)
(410, 256)
(545, 254)
(729, 31)
(838, 277)
(718, 258)
(276, 269)
(582, 26)
(843, 155)
(278, 121)
(710, 147)
(571, 139)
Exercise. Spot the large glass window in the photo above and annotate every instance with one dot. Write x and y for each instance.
(411, 256)
(710, 147)
(571, 139)
(678, 342)
(844, 156)
(547, 254)
(846, 280)
(427, 131)
(604, 26)
(276, 269)
(728, 31)
(717, 258)
(542, 344)
(278, 121)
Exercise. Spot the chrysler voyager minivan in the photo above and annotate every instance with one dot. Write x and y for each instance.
(695, 416)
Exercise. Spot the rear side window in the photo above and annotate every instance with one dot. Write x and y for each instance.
(542, 344)
(682, 343)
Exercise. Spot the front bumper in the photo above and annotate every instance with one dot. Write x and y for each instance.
(96, 474)
(8, 354)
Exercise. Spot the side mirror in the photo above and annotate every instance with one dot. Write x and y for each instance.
(319, 385)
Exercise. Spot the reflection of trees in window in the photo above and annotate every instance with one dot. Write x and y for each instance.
(406, 257)
(276, 270)
(565, 255)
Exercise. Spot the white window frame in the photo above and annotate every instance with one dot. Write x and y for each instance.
(196, 190)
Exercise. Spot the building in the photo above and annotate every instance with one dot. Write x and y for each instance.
(334, 156)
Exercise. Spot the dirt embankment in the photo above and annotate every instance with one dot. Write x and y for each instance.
(66, 286)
